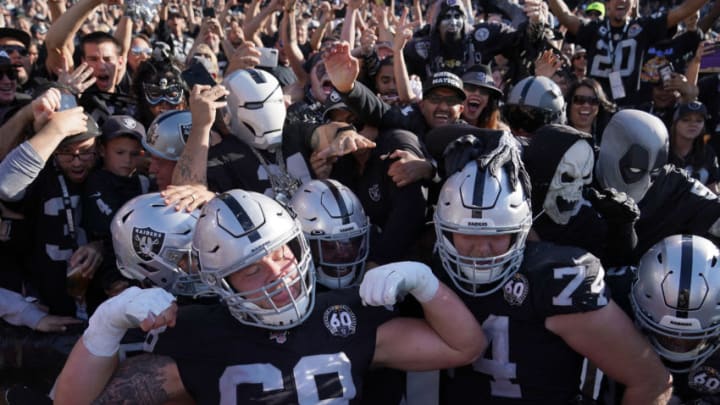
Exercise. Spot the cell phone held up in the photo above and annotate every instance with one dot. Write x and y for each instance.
(268, 57)
(665, 70)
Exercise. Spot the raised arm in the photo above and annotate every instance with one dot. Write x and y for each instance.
(191, 167)
(679, 13)
(708, 19)
(61, 35)
(565, 16)
(402, 77)
(448, 336)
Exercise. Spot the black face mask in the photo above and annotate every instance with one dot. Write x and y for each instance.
(634, 165)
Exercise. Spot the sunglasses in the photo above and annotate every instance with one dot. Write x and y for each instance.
(16, 48)
(67, 157)
(580, 100)
(137, 50)
(8, 71)
(449, 100)
(172, 94)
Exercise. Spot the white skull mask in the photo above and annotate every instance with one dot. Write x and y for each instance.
(573, 172)
(451, 24)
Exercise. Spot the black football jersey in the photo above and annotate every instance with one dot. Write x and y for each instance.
(525, 363)
(611, 49)
(222, 361)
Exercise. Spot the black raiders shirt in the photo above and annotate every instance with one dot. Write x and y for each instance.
(525, 362)
(224, 361)
(611, 49)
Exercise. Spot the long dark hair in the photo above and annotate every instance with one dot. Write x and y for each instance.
(606, 110)
(696, 157)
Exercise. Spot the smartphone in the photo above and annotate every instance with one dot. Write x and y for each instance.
(665, 71)
(196, 73)
(208, 12)
(268, 57)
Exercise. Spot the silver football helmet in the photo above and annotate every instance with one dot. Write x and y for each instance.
(337, 229)
(152, 241)
(238, 229)
(533, 102)
(476, 202)
(675, 298)
(167, 134)
(255, 109)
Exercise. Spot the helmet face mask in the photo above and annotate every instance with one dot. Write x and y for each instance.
(337, 230)
(243, 234)
(152, 243)
(475, 202)
(255, 109)
(674, 298)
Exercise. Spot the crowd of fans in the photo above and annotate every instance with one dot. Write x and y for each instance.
(538, 177)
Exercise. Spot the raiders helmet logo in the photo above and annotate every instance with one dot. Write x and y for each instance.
(374, 192)
(147, 242)
(634, 30)
(129, 123)
(185, 131)
(340, 320)
(422, 48)
(516, 290)
(482, 34)
(335, 97)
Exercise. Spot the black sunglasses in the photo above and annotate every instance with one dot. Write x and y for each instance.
(579, 100)
(8, 71)
(17, 48)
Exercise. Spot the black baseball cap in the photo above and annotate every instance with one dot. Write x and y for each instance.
(446, 80)
(481, 76)
(20, 35)
(117, 125)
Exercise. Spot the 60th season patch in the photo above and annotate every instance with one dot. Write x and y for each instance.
(516, 289)
(705, 380)
(340, 320)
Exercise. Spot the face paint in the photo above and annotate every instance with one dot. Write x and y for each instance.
(573, 172)
(634, 147)
(452, 23)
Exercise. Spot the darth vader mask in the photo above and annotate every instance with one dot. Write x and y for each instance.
(573, 172)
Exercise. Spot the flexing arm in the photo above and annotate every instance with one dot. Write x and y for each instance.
(679, 13)
(449, 336)
(595, 335)
(565, 16)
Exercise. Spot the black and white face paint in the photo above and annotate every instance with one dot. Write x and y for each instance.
(634, 146)
(451, 24)
(564, 196)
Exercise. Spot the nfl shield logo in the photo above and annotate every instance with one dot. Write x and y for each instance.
(147, 242)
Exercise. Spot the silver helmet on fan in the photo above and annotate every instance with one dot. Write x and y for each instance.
(255, 109)
(337, 229)
(167, 134)
(239, 235)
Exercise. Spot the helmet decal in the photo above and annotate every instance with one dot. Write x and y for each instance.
(147, 242)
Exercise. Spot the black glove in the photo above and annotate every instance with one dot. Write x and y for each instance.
(615, 206)
(461, 151)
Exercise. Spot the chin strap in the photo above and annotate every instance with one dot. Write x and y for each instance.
(535, 218)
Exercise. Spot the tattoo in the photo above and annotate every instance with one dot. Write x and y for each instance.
(185, 173)
(138, 380)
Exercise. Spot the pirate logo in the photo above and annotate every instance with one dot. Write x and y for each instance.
(147, 242)
(185, 131)
(129, 123)
(374, 192)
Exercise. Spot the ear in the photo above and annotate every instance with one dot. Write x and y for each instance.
(101, 149)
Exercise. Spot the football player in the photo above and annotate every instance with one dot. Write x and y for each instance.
(543, 307)
(674, 299)
(275, 340)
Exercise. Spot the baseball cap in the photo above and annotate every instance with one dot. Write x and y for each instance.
(693, 107)
(596, 6)
(444, 80)
(20, 35)
(481, 76)
(334, 102)
(117, 125)
(93, 131)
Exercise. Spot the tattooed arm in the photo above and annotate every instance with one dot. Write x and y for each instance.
(145, 379)
(191, 168)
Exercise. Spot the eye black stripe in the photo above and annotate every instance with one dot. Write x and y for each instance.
(242, 216)
(686, 270)
(340, 201)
